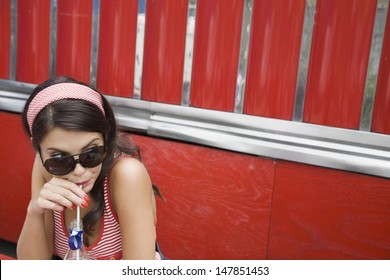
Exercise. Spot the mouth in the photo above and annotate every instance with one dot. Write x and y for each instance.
(82, 184)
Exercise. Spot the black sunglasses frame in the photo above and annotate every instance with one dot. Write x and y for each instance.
(69, 162)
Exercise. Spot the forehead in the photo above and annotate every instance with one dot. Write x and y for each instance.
(70, 140)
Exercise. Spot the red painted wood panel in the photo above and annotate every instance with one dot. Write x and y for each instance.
(5, 35)
(381, 113)
(218, 202)
(117, 36)
(320, 213)
(338, 63)
(33, 28)
(16, 157)
(216, 52)
(74, 39)
(273, 58)
(165, 32)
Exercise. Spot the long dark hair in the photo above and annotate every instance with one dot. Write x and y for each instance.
(80, 115)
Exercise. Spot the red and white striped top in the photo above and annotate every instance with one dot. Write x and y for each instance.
(108, 245)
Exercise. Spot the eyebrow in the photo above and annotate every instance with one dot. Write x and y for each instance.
(52, 149)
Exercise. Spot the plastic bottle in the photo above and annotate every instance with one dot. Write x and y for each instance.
(77, 250)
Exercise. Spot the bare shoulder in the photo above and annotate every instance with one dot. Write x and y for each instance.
(129, 180)
(128, 170)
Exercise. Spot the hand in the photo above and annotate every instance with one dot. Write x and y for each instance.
(58, 194)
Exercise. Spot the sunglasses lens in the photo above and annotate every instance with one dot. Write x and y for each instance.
(59, 166)
(93, 157)
(63, 165)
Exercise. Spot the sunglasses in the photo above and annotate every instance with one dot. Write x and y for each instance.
(63, 165)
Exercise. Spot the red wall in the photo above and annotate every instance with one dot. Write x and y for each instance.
(226, 205)
(221, 204)
(218, 203)
(320, 213)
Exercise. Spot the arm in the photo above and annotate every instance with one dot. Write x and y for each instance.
(133, 201)
(36, 238)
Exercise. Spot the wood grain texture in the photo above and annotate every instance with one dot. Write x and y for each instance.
(216, 54)
(218, 202)
(273, 58)
(320, 213)
(339, 55)
(16, 157)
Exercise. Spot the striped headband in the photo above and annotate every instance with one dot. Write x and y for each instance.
(58, 92)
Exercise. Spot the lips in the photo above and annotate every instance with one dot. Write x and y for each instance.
(83, 184)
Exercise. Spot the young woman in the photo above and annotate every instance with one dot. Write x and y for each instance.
(82, 161)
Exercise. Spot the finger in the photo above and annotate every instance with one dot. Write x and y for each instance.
(77, 190)
(62, 193)
(43, 203)
(68, 185)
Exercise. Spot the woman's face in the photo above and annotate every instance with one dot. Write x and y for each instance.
(60, 142)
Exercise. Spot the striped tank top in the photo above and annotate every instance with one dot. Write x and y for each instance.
(108, 245)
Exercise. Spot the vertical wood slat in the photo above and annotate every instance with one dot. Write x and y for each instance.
(165, 33)
(74, 39)
(5, 38)
(117, 47)
(216, 52)
(338, 63)
(33, 31)
(381, 113)
(274, 53)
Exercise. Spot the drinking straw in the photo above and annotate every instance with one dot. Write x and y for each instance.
(78, 228)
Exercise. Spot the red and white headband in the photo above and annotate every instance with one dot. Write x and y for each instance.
(58, 92)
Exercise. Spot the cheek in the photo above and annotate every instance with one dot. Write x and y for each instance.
(96, 170)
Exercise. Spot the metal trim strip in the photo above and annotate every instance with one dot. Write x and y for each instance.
(94, 42)
(13, 39)
(139, 50)
(188, 53)
(53, 36)
(243, 57)
(304, 60)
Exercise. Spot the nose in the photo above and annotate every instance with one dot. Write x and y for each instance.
(78, 169)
